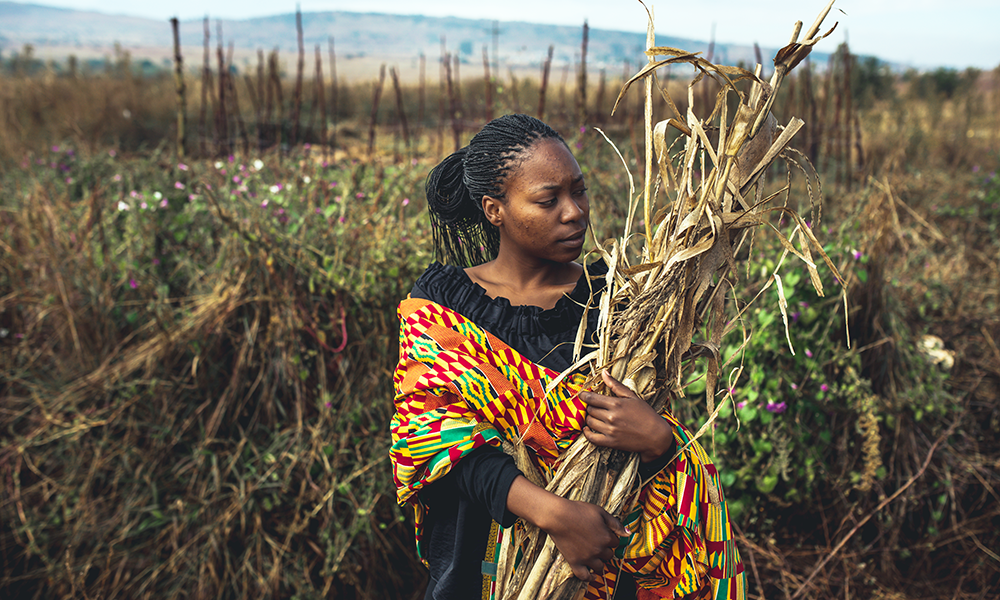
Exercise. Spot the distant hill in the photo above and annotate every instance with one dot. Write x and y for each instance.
(56, 33)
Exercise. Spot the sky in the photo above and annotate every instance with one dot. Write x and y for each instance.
(918, 33)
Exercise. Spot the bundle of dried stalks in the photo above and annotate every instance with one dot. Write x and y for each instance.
(650, 310)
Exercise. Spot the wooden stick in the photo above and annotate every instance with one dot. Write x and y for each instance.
(297, 98)
(179, 84)
(546, 67)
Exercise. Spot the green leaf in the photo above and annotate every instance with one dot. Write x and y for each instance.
(765, 485)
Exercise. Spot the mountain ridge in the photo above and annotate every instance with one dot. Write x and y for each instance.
(376, 36)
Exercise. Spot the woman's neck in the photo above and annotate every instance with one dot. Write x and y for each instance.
(537, 284)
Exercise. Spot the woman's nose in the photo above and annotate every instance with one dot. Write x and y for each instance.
(574, 210)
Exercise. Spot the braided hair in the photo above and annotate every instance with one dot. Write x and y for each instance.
(455, 188)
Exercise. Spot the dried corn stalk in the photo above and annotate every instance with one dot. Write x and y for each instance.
(649, 310)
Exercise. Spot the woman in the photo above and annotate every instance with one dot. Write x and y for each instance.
(478, 346)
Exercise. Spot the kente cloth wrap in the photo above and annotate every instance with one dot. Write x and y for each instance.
(459, 387)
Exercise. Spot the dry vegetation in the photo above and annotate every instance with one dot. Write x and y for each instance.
(195, 393)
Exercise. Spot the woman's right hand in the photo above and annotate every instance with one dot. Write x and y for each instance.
(585, 534)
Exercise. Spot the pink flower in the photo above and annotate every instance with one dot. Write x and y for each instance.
(795, 386)
(156, 262)
(143, 206)
(858, 255)
(112, 153)
(741, 404)
(236, 179)
(263, 204)
(359, 195)
(824, 388)
(583, 129)
(342, 219)
(164, 203)
(117, 178)
(132, 283)
(182, 166)
(809, 353)
(178, 185)
(406, 201)
(778, 408)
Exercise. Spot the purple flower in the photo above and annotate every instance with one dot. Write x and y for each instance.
(795, 316)
(132, 283)
(778, 408)
(342, 219)
(741, 404)
(857, 255)
(318, 210)
(232, 158)
(112, 153)
(824, 388)
(804, 304)
(56, 149)
(263, 204)
(579, 145)
(975, 169)
(359, 195)
(583, 129)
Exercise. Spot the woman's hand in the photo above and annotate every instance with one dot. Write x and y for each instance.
(585, 534)
(625, 422)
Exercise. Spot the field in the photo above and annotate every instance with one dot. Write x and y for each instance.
(197, 338)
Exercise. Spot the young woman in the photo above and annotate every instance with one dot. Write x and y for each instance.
(480, 339)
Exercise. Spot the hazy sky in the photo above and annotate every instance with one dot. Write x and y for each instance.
(920, 33)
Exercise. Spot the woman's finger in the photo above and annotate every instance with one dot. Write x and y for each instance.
(618, 388)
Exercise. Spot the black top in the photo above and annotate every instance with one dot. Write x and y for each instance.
(461, 505)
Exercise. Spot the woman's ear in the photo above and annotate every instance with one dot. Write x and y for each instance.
(493, 210)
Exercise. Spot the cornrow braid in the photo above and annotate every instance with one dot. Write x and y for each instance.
(455, 188)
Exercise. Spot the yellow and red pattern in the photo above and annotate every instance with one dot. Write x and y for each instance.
(458, 388)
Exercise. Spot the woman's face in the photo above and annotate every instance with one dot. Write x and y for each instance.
(546, 210)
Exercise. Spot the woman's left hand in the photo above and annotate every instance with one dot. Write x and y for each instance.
(625, 422)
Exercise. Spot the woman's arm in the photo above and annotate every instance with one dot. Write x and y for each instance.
(585, 534)
(625, 422)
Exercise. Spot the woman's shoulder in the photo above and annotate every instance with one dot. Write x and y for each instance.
(439, 282)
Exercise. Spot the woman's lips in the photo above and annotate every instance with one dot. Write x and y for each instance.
(575, 240)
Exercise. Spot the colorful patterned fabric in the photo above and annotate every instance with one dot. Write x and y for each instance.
(458, 388)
